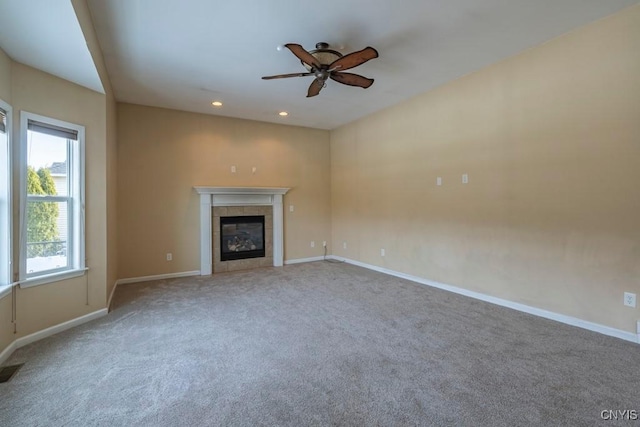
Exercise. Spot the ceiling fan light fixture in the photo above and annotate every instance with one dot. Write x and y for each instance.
(216, 104)
(323, 54)
(283, 114)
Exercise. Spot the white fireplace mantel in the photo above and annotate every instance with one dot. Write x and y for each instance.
(239, 196)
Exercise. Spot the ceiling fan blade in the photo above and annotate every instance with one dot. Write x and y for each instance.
(351, 79)
(354, 59)
(315, 88)
(303, 55)
(284, 76)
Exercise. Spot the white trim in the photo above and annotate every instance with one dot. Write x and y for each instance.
(278, 230)
(206, 244)
(6, 191)
(156, 277)
(562, 318)
(37, 336)
(239, 196)
(242, 190)
(113, 291)
(243, 199)
(51, 278)
(302, 260)
(7, 352)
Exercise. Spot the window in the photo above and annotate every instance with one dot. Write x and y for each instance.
(5, 195)
(52, 227)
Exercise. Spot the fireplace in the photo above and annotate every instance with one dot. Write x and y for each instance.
(217, 202)
(241, 237)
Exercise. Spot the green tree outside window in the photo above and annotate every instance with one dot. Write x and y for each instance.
(42, 226)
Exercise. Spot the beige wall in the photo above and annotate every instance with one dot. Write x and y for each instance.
(37, 92)
(5, 77)
(112, 195)
(86, 23)
(163, 153)
(6, 327)
(550, 140)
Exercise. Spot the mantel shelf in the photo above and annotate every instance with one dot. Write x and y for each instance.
(242, 190)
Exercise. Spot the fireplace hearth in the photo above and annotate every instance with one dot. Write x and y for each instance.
(242, 237)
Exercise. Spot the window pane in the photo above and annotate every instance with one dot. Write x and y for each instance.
(5, 248)
(47, 164)
(47, 236)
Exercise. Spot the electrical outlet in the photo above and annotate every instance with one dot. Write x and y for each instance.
(382, 252)
(439, 180)
(169, 256)
(290, 208)
(465, 178)
(254, 169)
(324, 243)
(233, 169)
(630, 299)
(313, 244)
(344, 245)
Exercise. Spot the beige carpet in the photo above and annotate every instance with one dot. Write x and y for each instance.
(317, 344)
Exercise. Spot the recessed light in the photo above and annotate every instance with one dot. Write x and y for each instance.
(283, 113)
(216, 104)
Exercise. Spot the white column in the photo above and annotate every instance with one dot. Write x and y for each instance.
(278, 225)
(205, 235)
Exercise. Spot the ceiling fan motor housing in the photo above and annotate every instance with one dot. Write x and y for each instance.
(323, 54)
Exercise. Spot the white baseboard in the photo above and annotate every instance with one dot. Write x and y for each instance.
(157, 277)
(7, 352)
(113, 291)
(569, 320)
(37, 336)
(301, 260)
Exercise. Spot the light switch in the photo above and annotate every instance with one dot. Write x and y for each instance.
(233, 169)
(439, 180)
(465, 178)
(290, 208)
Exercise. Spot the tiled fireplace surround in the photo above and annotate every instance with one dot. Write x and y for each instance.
(239, 201)
(242, 264)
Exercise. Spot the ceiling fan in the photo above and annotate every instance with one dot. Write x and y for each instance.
(325, 63)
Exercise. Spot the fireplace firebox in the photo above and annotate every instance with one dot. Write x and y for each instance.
(241, 237)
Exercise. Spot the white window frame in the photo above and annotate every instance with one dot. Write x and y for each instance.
(6, 248)
(76, 238)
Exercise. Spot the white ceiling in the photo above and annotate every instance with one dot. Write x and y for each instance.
(183, 55)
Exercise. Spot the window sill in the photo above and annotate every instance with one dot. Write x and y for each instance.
(50, 278)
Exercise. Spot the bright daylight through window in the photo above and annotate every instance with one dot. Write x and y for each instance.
(53, 217)
(5, 205)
